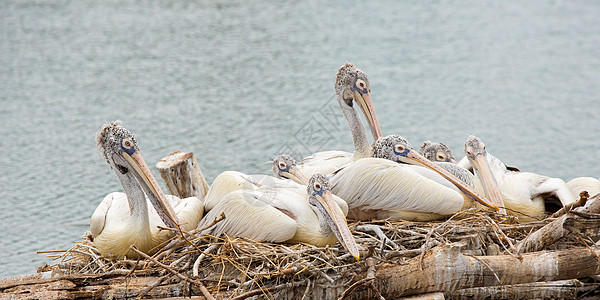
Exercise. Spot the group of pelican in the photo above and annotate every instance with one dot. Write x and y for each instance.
(309, 201)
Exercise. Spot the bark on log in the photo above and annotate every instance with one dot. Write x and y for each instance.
(182, 175)
(446, 269)
(568, 289)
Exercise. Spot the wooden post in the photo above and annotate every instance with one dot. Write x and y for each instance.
(182, 175)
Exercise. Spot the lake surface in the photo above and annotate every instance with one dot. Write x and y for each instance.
(237, 82)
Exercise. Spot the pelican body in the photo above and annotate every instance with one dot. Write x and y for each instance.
(277, 210)
(580, 184)
(351, 86)
(523, 194)
(133, 217)
(377, 188)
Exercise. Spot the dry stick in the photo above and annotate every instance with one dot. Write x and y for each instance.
(583, 197)
(425, 245)
(175, 243)
(152, 286)
(201, 257)
(556, 229)
(512, 247)
(183, 277)
(367, 280)
(265, 290)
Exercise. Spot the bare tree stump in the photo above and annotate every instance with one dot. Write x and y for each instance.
(182, 175)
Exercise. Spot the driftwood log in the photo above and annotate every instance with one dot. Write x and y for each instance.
(446, 269)
(182, 175)
(564, 289)
(576, 221)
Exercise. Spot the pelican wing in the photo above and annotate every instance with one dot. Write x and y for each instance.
(248, 214)
(323, 162)
(188, 210)
(580, 184)
(379, 184)
(98, 219)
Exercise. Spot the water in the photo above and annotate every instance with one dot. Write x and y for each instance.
(235, 82)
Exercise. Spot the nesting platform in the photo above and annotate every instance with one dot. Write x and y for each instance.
(472, 255)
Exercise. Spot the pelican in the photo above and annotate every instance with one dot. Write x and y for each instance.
(524, 194)
(308, 214)
(133, 217)
(436, 152)
(351, 86)
(580, 184)
(378, 188)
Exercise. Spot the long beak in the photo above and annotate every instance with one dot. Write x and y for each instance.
(417, 159)
(337, 222)
(366, 105)
(295, 175)
(153, 190)
(490, 186)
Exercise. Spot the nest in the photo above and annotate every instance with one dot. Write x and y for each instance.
(239, 268)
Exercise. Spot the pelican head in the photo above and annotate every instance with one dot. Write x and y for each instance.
(396, 148)
(477, 156)
(321, 200)
(120, 149)
(352, 84)
(436, 152)
(284, 166)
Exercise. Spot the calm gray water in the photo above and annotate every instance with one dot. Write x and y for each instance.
(235, 82)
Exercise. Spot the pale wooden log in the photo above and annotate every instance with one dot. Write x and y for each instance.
(430, 296)
(560, 227)
(182, 175)
(566, 289)
(446, 269)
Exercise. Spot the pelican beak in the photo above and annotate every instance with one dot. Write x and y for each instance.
(152, 189)
(415, 158)
(295, 175)
(337, 222)
(366, 105)
(452, 160)
(490, 186)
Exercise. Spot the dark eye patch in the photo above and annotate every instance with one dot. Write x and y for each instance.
(122, 169)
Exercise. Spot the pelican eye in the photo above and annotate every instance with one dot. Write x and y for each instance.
(317, 186)
(400, 148)
(127, 144)
(441, 156)
(469, 152)
(281, 165)
(361, 84)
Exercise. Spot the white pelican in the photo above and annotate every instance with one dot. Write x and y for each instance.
(125, 219)
(308, 214)
(377, 188)
(351, 86)
(436, 152)
(524, 194)
(580, 184)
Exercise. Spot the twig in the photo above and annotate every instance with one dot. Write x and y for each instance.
(183, 277)
(152, 286)
(201, 257)
(265, 290)
(583, 197)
